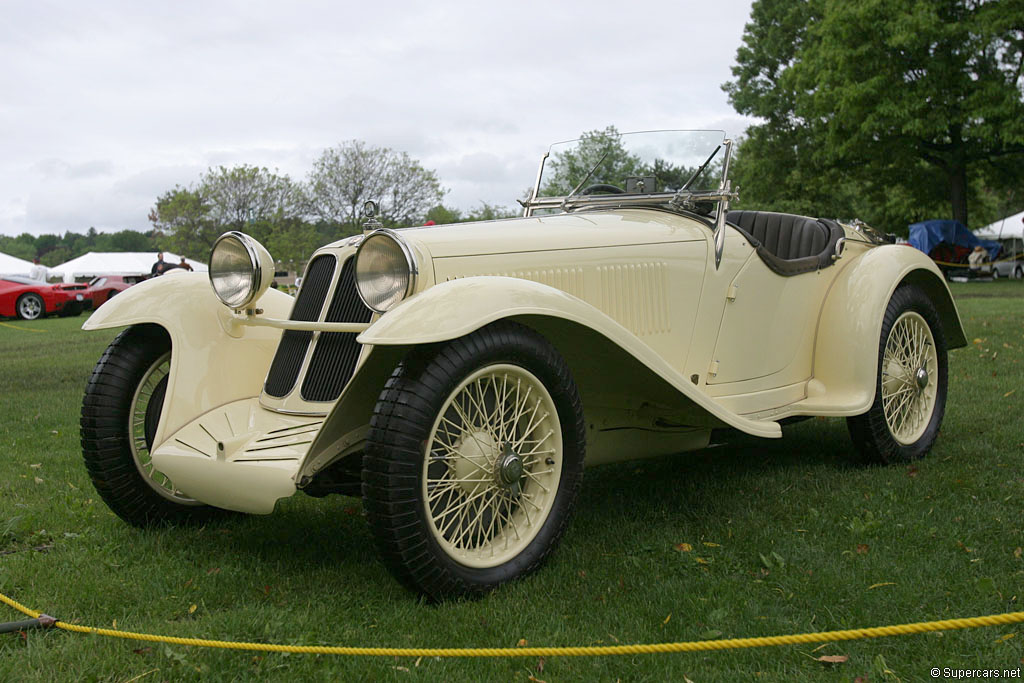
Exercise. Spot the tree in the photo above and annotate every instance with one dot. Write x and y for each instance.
(348, 175)
(243, 194)
(906, 102)
(183, 216)
(246, 198)
(491, 212)
(599, 150)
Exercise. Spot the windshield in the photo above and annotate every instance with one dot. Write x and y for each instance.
(608, 162)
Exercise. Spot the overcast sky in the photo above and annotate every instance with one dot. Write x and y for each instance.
(105, 105)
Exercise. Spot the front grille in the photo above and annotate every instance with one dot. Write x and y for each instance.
(291, 351)
(335, 355)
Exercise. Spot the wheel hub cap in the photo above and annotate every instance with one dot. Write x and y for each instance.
(922, 378)
(477, 451)
(510, 470)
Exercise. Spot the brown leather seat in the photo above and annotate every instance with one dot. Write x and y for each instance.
(787, 243)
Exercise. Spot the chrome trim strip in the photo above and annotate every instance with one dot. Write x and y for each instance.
(300, 325)
(528, 205)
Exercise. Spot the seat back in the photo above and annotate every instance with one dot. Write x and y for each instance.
(787, 243)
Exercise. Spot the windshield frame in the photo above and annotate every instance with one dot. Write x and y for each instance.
(679, 200)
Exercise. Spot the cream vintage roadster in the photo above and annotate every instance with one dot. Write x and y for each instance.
(460, 377)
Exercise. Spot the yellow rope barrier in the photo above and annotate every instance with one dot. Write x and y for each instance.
(604, 650)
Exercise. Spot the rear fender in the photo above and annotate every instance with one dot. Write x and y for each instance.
(846, 347)
(213, 362)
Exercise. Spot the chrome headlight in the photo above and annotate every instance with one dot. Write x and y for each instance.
(240, 269)
(385, 270)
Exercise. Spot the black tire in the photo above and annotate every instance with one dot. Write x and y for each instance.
(424, 543)
(916, 403)
(1018, 272)
(30, 306)
(127, 372)
(71, 310)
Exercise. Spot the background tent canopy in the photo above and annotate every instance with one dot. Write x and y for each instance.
(1011, 226)
(10, 265)
(97, 263)
(930, 236)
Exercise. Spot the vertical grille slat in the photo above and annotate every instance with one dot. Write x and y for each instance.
(335, 355)
(291, 351)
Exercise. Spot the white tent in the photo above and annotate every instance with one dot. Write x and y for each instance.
(97, 263)
(10, 265)
(1011, 226)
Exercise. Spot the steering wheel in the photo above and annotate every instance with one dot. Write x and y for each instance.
(602, 187)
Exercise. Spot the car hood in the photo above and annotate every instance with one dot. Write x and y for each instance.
(563, 231)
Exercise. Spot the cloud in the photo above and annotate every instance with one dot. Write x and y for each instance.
(107, 106)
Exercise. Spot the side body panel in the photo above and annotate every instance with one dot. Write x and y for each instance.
(579, 331)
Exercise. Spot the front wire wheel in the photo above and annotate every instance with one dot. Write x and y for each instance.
(120, 414)
(493, 463)
(473, 461)
(144, 416)
(910, 392)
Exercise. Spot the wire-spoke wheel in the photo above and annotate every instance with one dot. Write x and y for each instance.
(909, 368)
(120, 415)
(144, 413)
(910, 391)
(473, 461)
(493, 462)
(30, 306)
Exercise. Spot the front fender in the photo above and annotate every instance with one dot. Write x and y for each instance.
(607, 359)
(212, 363)
(846, 347)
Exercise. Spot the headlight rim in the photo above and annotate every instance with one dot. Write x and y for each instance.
(249, 244)
(410, 262)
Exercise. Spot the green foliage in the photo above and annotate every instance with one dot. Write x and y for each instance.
(183, 216)
(890, 111)
(599, 150)
(344, 177)
(55, 249)
(442, 215)
(242, 195)
(246, 198)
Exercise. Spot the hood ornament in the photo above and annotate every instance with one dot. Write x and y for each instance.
(370, 220)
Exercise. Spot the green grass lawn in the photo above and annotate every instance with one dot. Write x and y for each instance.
(783, 536)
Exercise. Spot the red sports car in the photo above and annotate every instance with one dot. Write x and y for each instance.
(104, 288)
(30, 299)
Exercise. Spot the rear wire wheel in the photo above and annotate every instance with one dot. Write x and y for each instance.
(910, 388)
(120, 415)
(473, 461)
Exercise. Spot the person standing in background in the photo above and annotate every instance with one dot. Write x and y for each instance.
(38, 271)
(160, 267)
(184, 265)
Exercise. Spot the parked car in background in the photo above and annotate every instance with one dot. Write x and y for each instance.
(105, 287)
(1010, 262)
(460, 377)
(29, 299)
